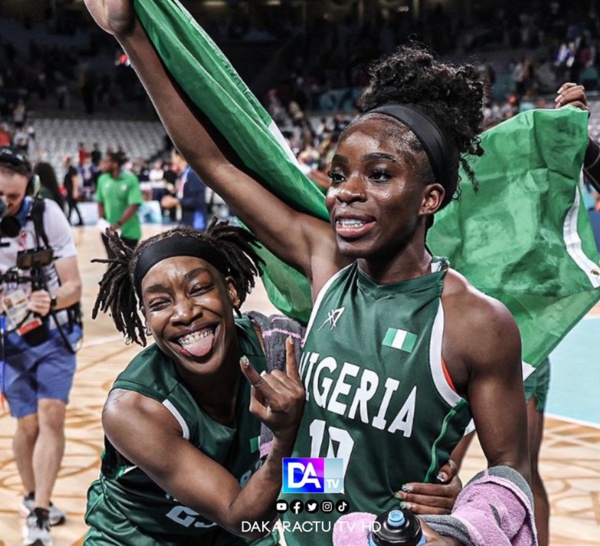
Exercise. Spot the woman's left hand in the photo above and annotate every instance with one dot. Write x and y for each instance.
(432, 498)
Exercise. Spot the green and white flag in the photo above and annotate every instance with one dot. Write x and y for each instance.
(400, 339)
(523, 238)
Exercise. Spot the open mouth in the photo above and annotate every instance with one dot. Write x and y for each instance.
(198, 343)
(352, 227)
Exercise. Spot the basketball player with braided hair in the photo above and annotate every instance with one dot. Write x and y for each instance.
(183, 459)
(401, 350)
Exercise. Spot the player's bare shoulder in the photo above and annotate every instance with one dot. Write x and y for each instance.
(476, 326)
(474, 306)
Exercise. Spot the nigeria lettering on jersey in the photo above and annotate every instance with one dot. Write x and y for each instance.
(353, 400)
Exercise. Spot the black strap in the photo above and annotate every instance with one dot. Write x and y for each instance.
(38, 206)
(37, 215)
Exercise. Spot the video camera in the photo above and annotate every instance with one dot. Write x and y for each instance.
(26, 259)
(9, 225)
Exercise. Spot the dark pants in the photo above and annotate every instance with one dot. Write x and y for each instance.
(72, 206)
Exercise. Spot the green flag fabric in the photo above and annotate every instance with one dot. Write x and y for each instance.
(523, 237)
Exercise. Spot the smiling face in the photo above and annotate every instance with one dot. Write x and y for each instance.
(380, 194)
(189, 307)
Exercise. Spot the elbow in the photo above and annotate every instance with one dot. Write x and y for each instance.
(247, 523)
(522, 466)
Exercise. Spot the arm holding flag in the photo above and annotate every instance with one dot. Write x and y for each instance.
(573, 94)
(301, 240)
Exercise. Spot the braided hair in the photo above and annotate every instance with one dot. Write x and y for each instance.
(452, 96)
(117, 294)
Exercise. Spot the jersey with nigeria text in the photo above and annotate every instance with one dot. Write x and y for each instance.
(377, 396)
(126, 507)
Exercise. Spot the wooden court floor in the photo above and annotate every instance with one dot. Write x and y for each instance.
(570, 462)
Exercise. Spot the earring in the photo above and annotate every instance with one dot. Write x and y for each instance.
(147, 331)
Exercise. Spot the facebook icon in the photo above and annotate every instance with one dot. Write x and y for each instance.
(313, 475)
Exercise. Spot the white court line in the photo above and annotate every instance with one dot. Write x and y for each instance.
(574, 421)
(100, 341)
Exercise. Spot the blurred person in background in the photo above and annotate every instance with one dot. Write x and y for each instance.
(71, 186)
(119, 197)
(190, 196)
(48, 184)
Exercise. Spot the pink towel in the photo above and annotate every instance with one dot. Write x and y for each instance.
(495, 508)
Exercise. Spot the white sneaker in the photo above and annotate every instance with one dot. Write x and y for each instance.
(57, 516)
(36, 531)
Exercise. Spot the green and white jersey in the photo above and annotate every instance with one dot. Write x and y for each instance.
(126, 507)
(377, 395)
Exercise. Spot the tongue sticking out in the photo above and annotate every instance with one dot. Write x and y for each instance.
(199, 346)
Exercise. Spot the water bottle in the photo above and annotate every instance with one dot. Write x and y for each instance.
(397, 527)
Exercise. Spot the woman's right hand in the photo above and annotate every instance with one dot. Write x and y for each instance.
(114, 16)
(277, 397)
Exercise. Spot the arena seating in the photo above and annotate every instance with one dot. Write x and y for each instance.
(57, 137)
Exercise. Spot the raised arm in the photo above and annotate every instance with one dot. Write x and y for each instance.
(574, 95)
(298, 239)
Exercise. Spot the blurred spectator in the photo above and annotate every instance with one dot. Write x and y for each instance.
(48, 184)
(71, 186)
(96, 155)
(190, 196)
(119, 197)
(19, 114)
(83, 154)
(5, 135)
(89, 177)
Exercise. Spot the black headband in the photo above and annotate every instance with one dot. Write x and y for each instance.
(429, 134)
(177, 245)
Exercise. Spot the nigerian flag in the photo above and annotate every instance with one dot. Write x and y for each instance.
(522, 238)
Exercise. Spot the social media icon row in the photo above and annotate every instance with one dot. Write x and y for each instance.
(311, 506)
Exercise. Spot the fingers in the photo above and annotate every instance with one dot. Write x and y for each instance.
(427, 498)
(565, 86)
(39, 302)
(276, 386)
(447, 472)
(276, 399)
(291, 365)
(258, 381)
(433, 498)
(572, 94)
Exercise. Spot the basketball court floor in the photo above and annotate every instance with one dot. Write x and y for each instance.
(570, 462)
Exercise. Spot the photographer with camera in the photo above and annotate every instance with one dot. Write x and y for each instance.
(41, 290)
